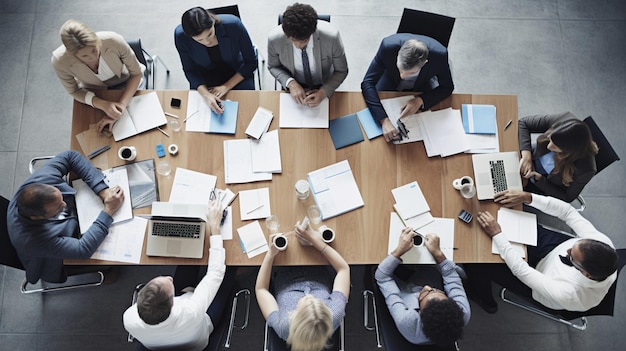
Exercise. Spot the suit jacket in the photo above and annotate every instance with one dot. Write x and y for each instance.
(77, 77)
(552, 184)
(235, 46)
(383, 74)
(43, 244)
(328, 51)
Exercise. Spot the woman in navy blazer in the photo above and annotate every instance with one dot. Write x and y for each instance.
(216, 53)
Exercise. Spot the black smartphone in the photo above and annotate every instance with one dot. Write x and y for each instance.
(465, 216)
(175, 103)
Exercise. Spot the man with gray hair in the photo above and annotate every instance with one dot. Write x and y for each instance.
(407, 62)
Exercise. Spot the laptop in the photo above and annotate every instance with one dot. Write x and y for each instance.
(176, 230)
(496, 172)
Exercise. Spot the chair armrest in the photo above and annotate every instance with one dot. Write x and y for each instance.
(246, 296)
(367, 296)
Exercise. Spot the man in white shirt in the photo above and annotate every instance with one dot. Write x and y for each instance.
(160, 320)
(570, 274)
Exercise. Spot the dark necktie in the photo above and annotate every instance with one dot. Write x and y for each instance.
(307, 69)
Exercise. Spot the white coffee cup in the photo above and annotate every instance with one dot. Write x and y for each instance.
(418, 239)
(280, 242)
(328, 235)
(458, 183)
(127, 153)
(468, 190)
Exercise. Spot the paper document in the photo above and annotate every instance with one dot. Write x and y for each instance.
(142, 182)
(265, 153)
(372, 128)
(124, 242)
(393, 108)
(260, 123)
(191, 187)
(411, 205)
(293, 115)
(252, 239)
(226, 229)
(520, 227)
(89, 204)
(254, 203)
(518, 248)
(443, 132)
(144, 112)
(334, 189)
(200, 117)
(443, 227)
(238, 163)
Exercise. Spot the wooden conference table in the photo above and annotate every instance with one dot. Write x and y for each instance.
(378, 167)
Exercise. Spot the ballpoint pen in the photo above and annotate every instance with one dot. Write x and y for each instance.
(171, 115)
(254, 209)
(191, 115)
(162, 131)
(508, 124)
(97, 152)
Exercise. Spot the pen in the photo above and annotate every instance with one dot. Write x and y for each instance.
(171, 115)
(162, 131)
(254, 209)
(98, 152)
(191, 115)
(508, 124)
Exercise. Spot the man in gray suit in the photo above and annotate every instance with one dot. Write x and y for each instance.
(306, 55)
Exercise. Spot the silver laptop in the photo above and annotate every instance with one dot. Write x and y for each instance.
(176, 230)
(496, 172)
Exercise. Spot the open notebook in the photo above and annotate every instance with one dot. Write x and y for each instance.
(144, 112)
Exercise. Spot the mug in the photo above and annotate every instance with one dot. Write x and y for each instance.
(418, 239)
(280, 242)
(127, 153)
(458, 183)
(328, 235)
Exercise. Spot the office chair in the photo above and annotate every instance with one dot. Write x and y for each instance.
(438, 27)
(273, 342)
(234, 10)
(605, 308)
(280, 21)
(9, 257)
(222, 331)
(384, 324)
(149, 61)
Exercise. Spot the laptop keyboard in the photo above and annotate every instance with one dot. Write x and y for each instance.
(498, 175)
(179, 230)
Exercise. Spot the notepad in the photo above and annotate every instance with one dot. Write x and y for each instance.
(345, 131)
(200, 117)
(293, 115)
(334, 189)
(259, 123)
(372, 128)
(411, 205)
(479, 119)
(252, 239)
(254, 204)
(144, 112)
(191, 187)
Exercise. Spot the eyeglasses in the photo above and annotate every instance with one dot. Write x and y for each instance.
(569, 261)
(428, 291)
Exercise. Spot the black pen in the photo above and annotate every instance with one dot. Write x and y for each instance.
(98, 152)
(508, 124)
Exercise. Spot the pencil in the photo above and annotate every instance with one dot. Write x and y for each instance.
(254, 209)
(162, 131)
(171, 115)
(191, 115)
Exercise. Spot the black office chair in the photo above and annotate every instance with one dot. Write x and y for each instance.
(234, 10)
(9, 257)
(280, 21)
(438, 27)
(222, 331)
(149, 61)
(384, 323)
(605, 308)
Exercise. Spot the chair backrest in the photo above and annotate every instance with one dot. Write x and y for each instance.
(438, 27)
(8, 255)
(319, 17)
(606, 154)
(135, 44)
(226, 10)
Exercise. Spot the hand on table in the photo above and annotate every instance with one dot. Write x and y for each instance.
(113, 199)
(525, 164)
(389, 130)
(489, 224)
(214, 216)
(105, 125)
(214, 102)
(431, 241)
(411, 107)
(112, 109)
(512, 198)
(219, 91)
(405, 242)
(314, 97)
(297, 92)
(273, 249)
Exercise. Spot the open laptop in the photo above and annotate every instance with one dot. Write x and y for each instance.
(176, 230)
(496, 172)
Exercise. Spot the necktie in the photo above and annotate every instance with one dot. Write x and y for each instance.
(307, 69)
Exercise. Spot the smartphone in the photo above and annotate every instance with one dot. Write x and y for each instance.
(465, 216)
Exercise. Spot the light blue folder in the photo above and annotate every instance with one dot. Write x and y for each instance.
(479, 119)
(225, 123)
(371, 128)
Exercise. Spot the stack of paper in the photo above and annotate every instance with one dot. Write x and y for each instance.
(142, 182)
(200, 117)
(443, 132)
(293, 115)
(479, 123)
(254, 203)
(124, 242)
(144, 112)
(443, 227)
(260, 123)
(191, 187)
(247, 160)
(252, 239)
(394, 107)
(89, 204)
(335, 190)
(519, 227)
(411, 205)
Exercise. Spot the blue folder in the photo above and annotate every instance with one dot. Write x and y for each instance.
(226, 123)
(479, 119)
(370, 126)
(345, 131)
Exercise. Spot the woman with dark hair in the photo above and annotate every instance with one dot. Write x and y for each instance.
(563, 161)
(216, 53)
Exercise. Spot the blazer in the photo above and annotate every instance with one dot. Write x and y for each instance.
(235, 46)
(552, 184)
(383, 74)
(328, 51)
(77, 77)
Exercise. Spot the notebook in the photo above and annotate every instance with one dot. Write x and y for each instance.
(176, 230)
(345, 131)
(479, 119)
(144, 112)
(496, 172)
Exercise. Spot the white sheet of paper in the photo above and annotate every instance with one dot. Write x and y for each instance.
(482, 143)
(227, 228)
(198, 113)
(443, 227)
(266, 153)
(144, 112)
(124, 242)
(335, 189)
(293, 115)
(259, 123)
(191, 187)
(410, 200)
(238, 163)
(443, 132)
(252, 239)
(519, 249)
(254, 204)
(89, 204)
(520, 227)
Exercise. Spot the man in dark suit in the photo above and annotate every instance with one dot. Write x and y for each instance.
(407, 62)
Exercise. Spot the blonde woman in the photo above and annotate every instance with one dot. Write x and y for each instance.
(308, 305)
(90, 60)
